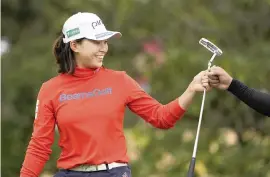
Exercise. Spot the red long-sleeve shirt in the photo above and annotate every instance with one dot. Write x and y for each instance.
(88, 109)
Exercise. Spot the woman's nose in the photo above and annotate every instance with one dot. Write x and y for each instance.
(104, 46)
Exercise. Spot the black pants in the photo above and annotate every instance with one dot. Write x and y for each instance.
(115, 172)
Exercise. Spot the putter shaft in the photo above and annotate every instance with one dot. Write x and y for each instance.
(193, 160)
(201, 112)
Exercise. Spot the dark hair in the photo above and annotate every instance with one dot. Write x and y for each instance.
(64, 55)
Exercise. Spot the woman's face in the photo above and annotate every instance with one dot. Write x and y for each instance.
(89, 53)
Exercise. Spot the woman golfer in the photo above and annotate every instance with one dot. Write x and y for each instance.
(87, 101)
(255, 99)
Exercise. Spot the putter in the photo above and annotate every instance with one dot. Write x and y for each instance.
(216, 52)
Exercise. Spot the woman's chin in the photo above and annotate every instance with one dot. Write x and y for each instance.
(96, 65)
(99, 64)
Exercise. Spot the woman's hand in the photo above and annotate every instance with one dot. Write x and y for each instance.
(200, 82)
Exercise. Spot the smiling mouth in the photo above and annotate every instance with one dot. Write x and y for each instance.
(100, 57)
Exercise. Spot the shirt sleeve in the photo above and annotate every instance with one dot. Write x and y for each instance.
(153, 112)
(39, 147)
(255, 99)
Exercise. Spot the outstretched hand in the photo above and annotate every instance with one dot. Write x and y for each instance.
(200, 82)
(219, 78)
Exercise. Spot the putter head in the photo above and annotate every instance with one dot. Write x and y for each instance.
(210, 46)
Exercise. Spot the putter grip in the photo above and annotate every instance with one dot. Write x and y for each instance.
(191, 167)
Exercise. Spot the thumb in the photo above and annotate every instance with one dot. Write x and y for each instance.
(215, 70)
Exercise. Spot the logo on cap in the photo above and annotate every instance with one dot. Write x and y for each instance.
(73, 32)
(103, 34)
(95, 24)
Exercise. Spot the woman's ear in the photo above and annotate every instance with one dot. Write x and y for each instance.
(74, 46)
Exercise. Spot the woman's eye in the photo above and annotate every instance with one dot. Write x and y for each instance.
(100, 42)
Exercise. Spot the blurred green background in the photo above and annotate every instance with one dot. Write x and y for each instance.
(160, 49)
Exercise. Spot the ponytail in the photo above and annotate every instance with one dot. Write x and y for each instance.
(64, 55)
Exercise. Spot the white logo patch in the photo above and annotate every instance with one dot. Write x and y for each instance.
(36, 111)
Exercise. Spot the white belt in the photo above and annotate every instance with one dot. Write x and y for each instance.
(98, 167)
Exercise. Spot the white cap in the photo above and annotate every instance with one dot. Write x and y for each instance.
(86, 25)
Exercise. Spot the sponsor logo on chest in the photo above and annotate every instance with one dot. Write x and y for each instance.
(85, 95)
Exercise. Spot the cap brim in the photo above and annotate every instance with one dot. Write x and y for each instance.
(107, 35)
